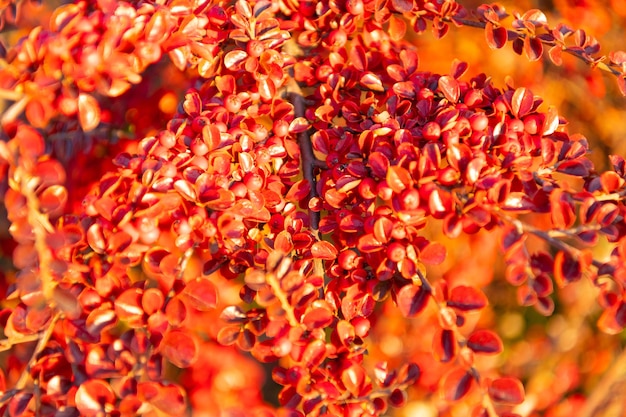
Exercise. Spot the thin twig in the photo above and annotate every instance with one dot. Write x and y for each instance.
(271, 280)
(546, 236)
(8, 344)
(44, 338)
(512, 34)
(308, 165)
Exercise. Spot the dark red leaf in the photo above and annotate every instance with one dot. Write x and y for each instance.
(496, 36)
(299, 191)
(456, 384)
(533, 48)
(567, 269)
(411, 300)
(444, 345)
(521, 102)
(20, 402)
(507, 390)
(485, 341)
(577, 167)
(458, 68)
(402, 6)
(467, 298)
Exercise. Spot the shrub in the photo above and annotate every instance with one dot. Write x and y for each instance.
(193, 188)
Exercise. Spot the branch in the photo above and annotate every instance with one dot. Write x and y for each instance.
(610, 68)
(44, 338)
(547, 236)
(308, 160)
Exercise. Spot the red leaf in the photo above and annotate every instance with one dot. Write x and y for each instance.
(577, 167)
(354, 377)
(411, 299)
(458, 68)
(201, 294)
(235, 58)
(324, 250)
(533, 48)
(398, 178)
(562, 210)
(496, 36)
(318, 318)
(314, 354)
(467, 298)
(88, 112)
(397, 28)
(180, 348)
(522, 102)
(556, 55)
(379, 164)
(52, 200)
(228, 335)
(30, 142)
(444, 345)
(368, 243)
(299, 191)
(372, 81)
(433, 254)
(456, 384)
(536, 16)
(358, 57)
(169, 399)
(94, 397)
(550, 124)
(567, 269)
(346, 332)
(176, 311)
(402, 6)
(128, 305)
(613, 319)
(507, 390)
(485, 341)
(450, 88)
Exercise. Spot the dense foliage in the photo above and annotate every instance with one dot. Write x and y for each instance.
(196, 188)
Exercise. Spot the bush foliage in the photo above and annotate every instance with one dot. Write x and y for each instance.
(290, 208)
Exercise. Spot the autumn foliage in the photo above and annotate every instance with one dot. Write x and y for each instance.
(280, 208)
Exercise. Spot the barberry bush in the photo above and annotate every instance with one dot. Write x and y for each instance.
(288, 208)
